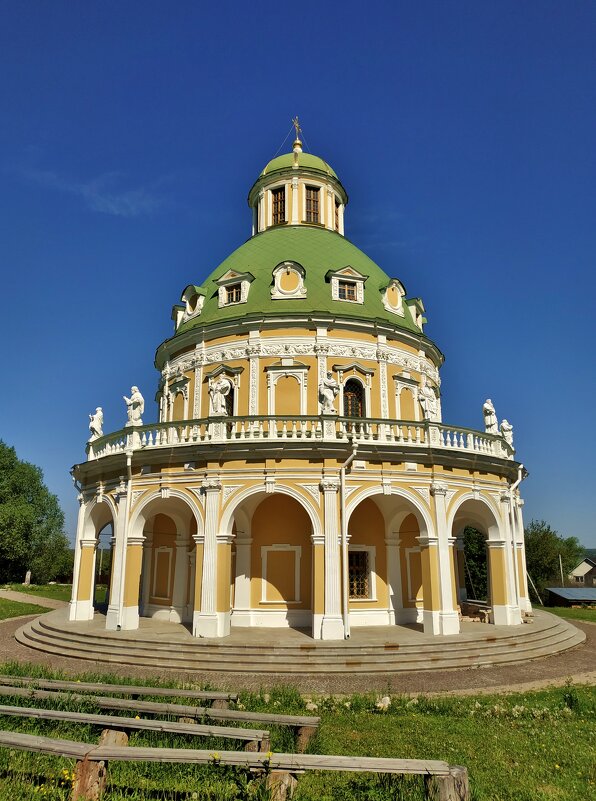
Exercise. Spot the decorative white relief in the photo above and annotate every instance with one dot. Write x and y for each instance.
(230, 279)
(229, 490)
(449, 496)
(386, 486)
(199, 494)
(393, 296)
(350, 276)
(136, 495)
(314, 490)
(269, 484)
(165, 492)
(349, 490)
(424, 492)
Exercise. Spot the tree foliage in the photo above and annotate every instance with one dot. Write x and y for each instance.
(31, 523)
(476, 565)
(543, 546)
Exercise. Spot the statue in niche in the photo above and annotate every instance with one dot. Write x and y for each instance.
(135, 406)
(96, 424)
(491, 424)
(507, 432)
(428, 401)
(219, 389)
(328, 392)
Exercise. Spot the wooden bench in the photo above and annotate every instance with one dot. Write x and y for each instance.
(120, 689)
(443, 782)
(304, 727)
(256, 739)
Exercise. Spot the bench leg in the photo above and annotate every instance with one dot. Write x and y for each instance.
(90, 777)
(281, 785)
(220, 703)
(454, 787)
(303, 736)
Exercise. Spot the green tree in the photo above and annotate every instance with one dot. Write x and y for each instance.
(31, 523)
(475, 564)
(543, 547)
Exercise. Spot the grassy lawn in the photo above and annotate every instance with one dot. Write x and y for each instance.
(59, 592)
(523, 747)
(573, 614)
(16, 608)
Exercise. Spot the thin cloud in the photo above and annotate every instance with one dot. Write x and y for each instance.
(102, 193)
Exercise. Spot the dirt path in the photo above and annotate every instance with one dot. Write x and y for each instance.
(26, 598)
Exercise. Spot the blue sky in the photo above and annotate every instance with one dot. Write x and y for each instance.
(464, 133)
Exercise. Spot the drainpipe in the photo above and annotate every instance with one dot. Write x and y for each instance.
(344, 539)
(512, 488)
(125, 538)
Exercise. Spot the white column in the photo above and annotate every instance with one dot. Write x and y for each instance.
(448, 616)
(525, 603)
(253, 350)
(332, 625)
(242, 613)
(295, 211)
(330, 213)
(146, 572)
(392, 543)
(74, 611)
(206, 623)
(180, 582)
(118, 557)
(513, 613)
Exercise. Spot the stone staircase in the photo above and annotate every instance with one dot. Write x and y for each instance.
(283, 651)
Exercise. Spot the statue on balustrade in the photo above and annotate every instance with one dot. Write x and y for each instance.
(507, 432)
(96, 424)
(428, 401)
(328, 392)
(491, 424)
(135, 406)
(219, 389)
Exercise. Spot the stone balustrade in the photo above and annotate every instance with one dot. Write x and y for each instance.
(403, 433)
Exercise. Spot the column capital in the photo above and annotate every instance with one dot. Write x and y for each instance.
(135, 539)
(439, 488)
(88, 543)
(427, 541)
(505, 497)
(199, 539)
(224, 539)
(211, 485)
(317, 539)
(495, 544)
(329, 485)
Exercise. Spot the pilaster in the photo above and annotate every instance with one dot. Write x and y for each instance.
(208, 622)
(332, 624)
(448, 616)
(118, 557)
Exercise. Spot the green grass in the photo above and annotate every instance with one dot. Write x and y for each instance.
(522, 747)
(16, 608)
(58, 592)
(588, 615)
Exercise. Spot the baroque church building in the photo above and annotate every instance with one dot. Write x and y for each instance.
(300, 473)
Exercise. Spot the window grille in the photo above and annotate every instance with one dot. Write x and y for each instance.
(312, 204)
(347, 290)
(233, 293)
(353, 399)
(279, 205)
(358, 574)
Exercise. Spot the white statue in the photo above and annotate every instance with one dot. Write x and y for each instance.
(507, 432)
(491, 424)
(219, 389)
(428, 401)
(328, 392)
(135, 406)
(96, 424)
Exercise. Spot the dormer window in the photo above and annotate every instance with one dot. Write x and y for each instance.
(233, 288)
(278, 203)
(347, 285)
(346, 290)
(312, 204)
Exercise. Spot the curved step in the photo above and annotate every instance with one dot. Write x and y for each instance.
(52, 633)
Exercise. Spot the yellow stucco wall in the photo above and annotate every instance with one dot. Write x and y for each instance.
(134, 557)
(408, 532)
(367, 527)
(85, 574)
(280, 520)
(496, 566)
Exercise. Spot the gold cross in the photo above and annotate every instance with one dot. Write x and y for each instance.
(296, 125)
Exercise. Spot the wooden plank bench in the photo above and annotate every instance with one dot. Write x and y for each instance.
(256, 739)
(443, 782)
(303, 726)
(120, 689)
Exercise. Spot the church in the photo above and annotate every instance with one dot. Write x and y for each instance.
(300, 473)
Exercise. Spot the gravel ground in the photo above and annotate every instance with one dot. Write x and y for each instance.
(577, 664)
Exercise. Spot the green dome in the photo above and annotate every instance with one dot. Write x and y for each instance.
(318, 251)
(305, 160)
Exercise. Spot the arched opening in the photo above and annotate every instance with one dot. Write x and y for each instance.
(272, 563)
(354, 405)
(103, 567)
(167, 567)
(483, 565)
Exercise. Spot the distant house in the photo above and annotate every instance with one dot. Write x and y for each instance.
(585, 573)
(571, 596)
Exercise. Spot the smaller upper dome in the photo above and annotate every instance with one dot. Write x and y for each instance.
(305, 160)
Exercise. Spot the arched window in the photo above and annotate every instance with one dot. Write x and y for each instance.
(354, 399)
